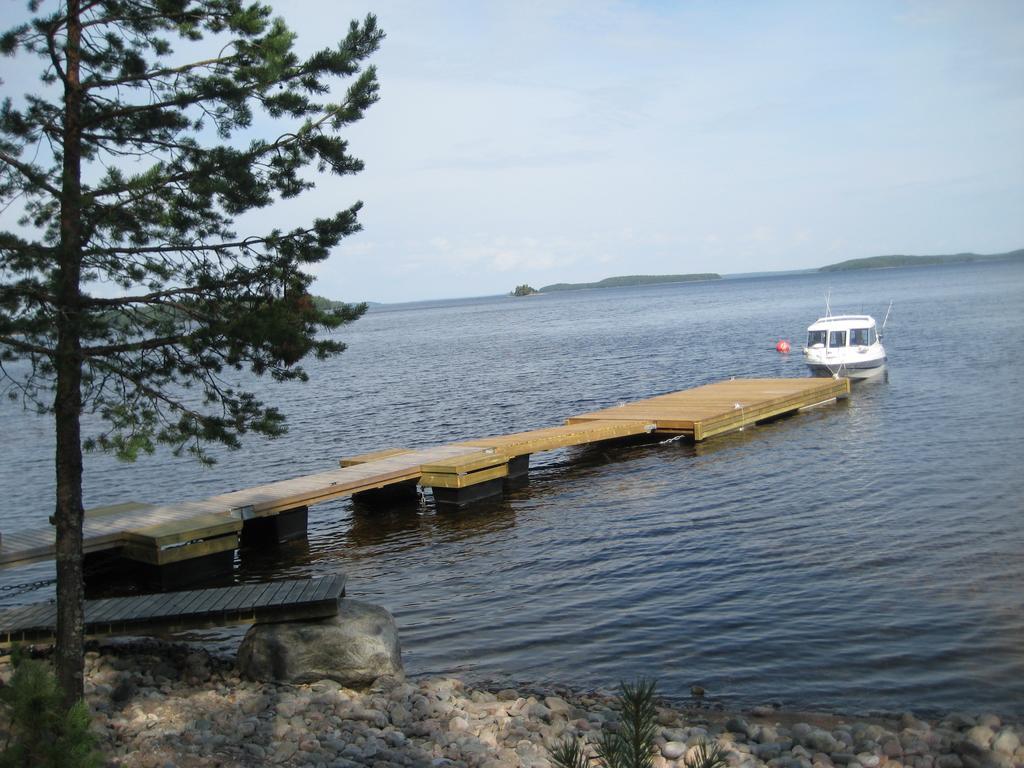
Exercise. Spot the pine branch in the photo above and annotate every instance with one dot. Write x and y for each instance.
(51, 47)
(109, 350)
(283, 141)
(24, 346)
(155, 297)
(32, 175)
(20, 290)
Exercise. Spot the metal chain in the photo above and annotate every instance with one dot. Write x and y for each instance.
(28, 586)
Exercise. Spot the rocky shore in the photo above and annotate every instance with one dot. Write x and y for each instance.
(158, 705)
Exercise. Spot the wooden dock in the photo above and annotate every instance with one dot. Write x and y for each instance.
(723, 407)
(167, 535)
(293, 600)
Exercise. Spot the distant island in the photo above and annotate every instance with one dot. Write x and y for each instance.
(872, 262)
(890, 262)
(629, 281)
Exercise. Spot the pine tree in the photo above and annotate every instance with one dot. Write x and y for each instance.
(40, 731)
(631, 745)
(125, 289)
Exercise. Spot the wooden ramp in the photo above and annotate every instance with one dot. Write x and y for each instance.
(458, 473)
(176, 611)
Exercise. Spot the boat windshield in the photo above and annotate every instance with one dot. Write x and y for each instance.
(859, 337)
(837, 339)
(816, 338)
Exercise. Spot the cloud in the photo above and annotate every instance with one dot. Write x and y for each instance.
(503, 255)
(569, 140)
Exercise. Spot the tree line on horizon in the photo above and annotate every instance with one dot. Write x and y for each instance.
(871, 262)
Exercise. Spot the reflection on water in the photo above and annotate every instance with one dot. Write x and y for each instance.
(399, 529)
(859, 555)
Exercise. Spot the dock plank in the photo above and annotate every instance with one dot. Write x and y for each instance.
(721, 406)
(124, 607)
(176, 531)
(111, 609)
(551, 438)
(293, 591)
(308, 598)
(27, 619)
(471, 462)
(326, 586)
(181, 602)
(351, 461)
(268, 596)
(99, 610)
(243, 595)
(208, 602)
(463, 479)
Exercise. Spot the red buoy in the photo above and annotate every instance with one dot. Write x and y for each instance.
(782, 346)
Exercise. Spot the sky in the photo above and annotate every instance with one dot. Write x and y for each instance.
(536, 142)
(542, 142)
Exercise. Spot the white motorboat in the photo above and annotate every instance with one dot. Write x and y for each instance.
(845, 345)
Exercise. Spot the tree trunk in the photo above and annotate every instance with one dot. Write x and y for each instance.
(68, 400)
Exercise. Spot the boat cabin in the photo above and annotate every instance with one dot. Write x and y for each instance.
(842, 331)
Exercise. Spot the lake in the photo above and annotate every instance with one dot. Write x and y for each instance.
(863, 556)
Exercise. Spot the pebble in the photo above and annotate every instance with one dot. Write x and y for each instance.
(154, 705)
(981, 736)
(673, 750)
(1006, 741)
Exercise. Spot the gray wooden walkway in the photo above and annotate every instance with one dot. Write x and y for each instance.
(175, 611)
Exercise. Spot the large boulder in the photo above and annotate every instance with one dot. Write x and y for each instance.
(354, 648)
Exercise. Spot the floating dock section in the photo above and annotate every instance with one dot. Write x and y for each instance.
(724, 407)
(293, 600)
(188, 540)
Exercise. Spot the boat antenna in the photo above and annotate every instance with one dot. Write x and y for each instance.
(886, 320)
(828, 303)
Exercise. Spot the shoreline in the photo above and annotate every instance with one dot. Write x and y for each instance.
(157, 704)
